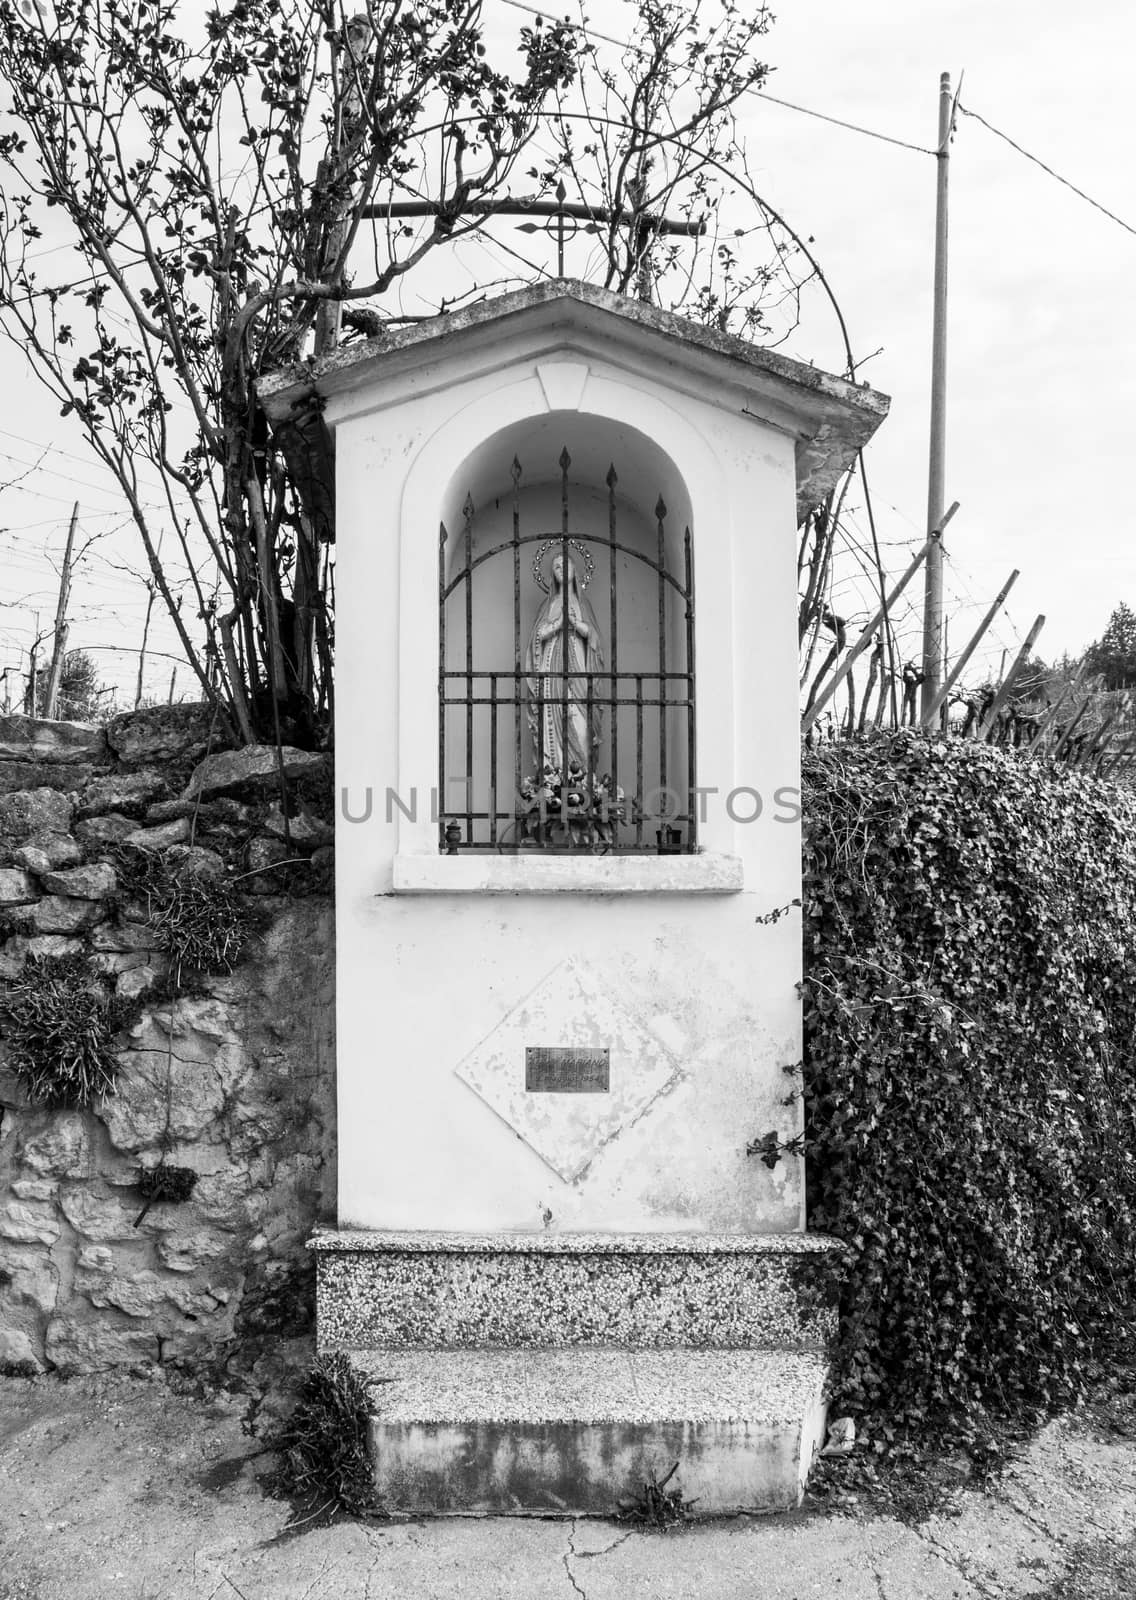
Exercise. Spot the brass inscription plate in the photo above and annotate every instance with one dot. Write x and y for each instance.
(567, 1069)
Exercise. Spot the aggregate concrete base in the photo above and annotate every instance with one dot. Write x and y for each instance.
(723, 1291)
(576, 1431)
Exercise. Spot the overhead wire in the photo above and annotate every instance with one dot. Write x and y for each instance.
(58, 520)
(58, 472)
(1038, 162)
(68, 500)
(755, 93)
(52, 449)
(995, 641)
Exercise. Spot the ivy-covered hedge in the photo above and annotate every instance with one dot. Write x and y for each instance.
(970, 1071)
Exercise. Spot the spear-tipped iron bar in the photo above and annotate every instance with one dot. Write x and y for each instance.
(442, 675)
(468, 509)
(613, 591)
(690, 750)
(660, 516)
(565, 633)
(518, 659)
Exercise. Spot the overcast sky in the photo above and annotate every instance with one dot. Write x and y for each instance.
(1041, 395)
(1041, 386)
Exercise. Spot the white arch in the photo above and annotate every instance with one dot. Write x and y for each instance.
(608, 398)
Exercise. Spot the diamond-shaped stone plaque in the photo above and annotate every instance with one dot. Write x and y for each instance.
(570, 1009)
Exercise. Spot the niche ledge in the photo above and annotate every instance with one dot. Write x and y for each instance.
(540, 872)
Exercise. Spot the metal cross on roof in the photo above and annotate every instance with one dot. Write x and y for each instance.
(563, 219)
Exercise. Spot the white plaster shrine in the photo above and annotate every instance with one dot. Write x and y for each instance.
(553, 1049)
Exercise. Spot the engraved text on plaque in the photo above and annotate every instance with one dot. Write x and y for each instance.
(567, 1069)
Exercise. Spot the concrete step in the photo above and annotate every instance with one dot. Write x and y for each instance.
(637, 1291)
(575, 1431)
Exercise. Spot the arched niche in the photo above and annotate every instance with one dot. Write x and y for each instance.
(628, 517)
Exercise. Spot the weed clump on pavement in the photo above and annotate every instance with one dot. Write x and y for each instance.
(326, 1465)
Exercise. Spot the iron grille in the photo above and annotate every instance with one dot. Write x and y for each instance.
(572, 734)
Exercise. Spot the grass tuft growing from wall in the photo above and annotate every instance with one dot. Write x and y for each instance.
(59, 1023)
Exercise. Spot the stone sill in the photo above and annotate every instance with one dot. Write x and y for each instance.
(537, 872)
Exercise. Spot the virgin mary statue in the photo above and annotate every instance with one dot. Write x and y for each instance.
(559, 653)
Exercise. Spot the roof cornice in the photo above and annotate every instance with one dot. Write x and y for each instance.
(829, 417)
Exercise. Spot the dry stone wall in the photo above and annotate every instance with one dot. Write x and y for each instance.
(231, 1077)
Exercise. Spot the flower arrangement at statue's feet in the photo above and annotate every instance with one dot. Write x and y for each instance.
(582, 813)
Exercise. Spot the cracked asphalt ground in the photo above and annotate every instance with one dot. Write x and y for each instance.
(116, 1486)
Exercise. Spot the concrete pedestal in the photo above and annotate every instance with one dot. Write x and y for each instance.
(529, 1374)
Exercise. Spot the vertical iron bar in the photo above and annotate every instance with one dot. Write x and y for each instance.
(518, 722)
(492, 806)
(565, 637)
(467, 511)
(639, 759)
(442, 680)
(690, 745)
(613, 560)
(660, 514)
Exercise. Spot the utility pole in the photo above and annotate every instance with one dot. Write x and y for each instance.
(59, 645)
(933, 584)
